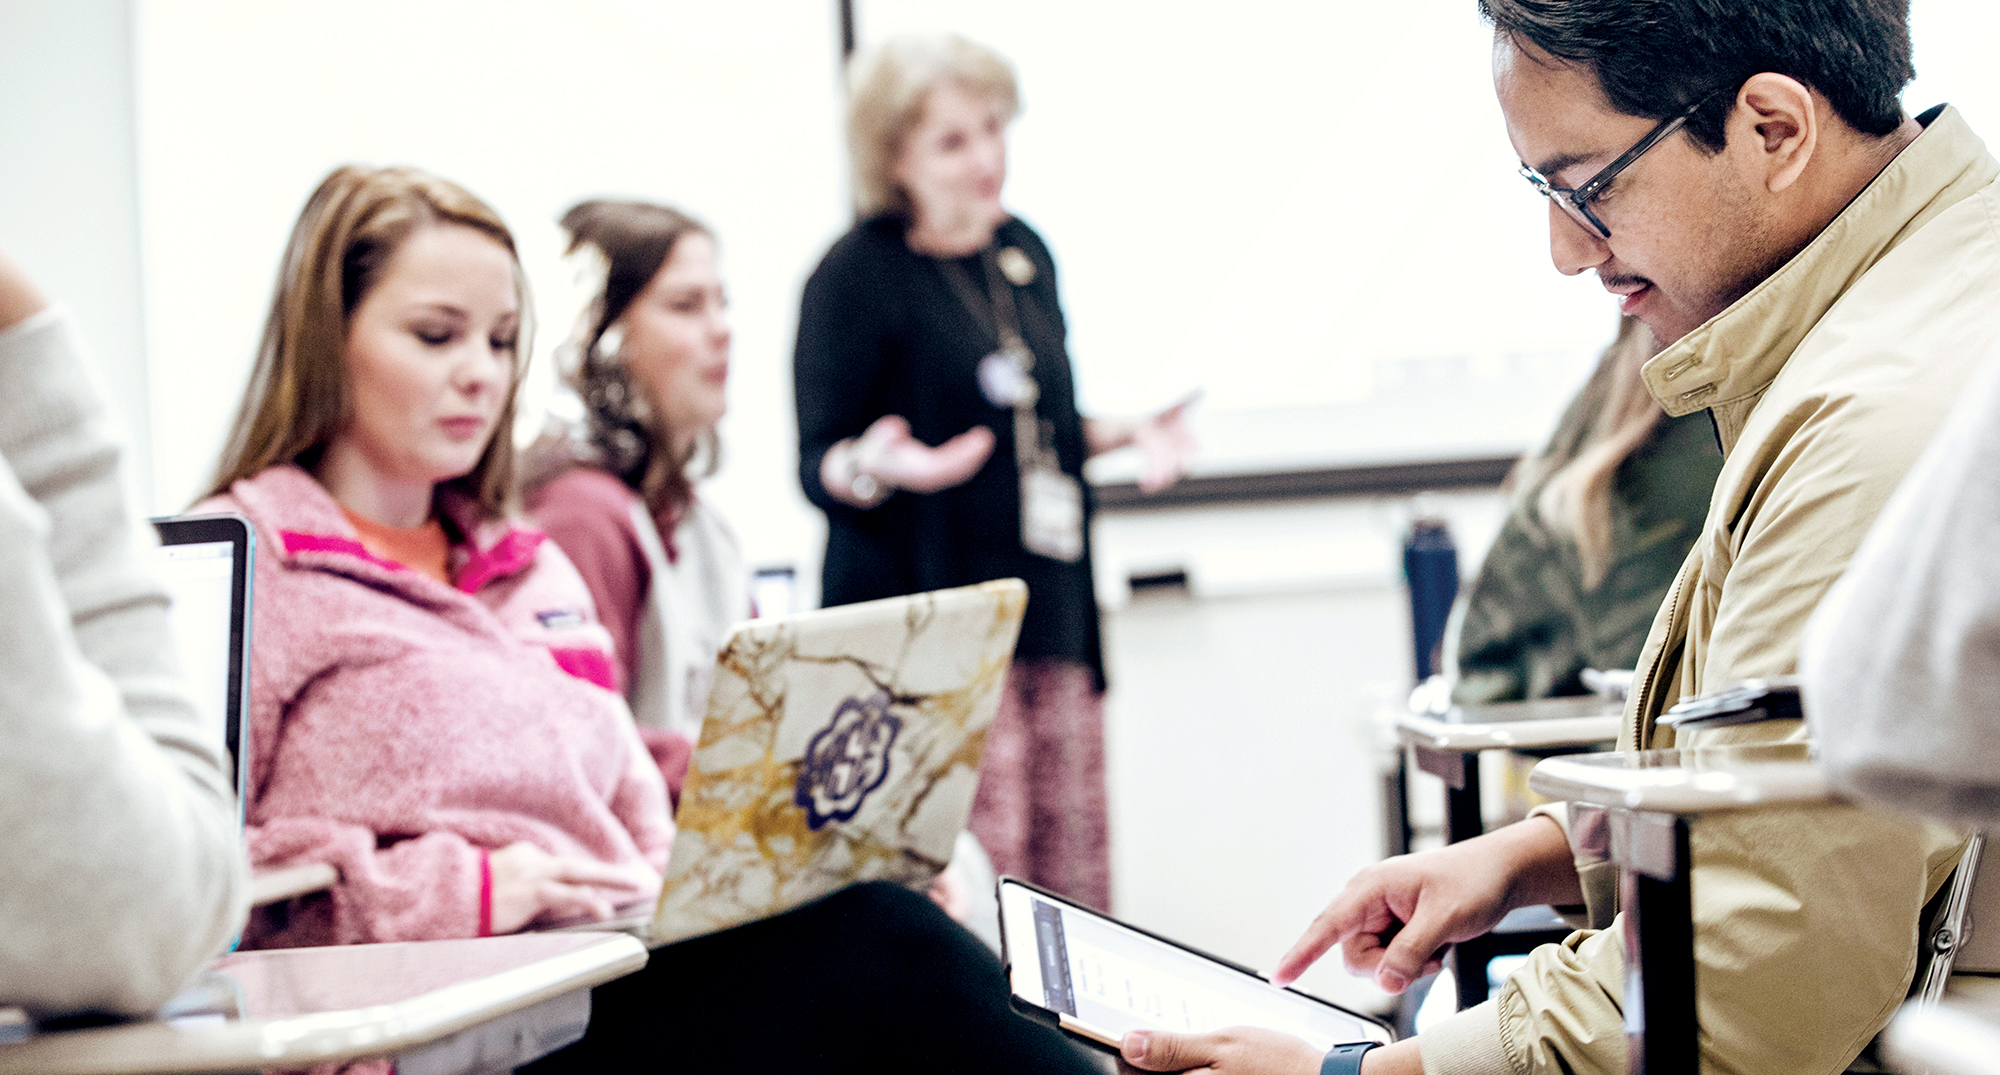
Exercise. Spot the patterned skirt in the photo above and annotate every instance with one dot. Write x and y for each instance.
(1040, 811)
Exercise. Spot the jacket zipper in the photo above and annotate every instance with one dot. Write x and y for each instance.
(1659, 659)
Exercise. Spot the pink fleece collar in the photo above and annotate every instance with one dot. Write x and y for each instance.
(297, 542)
(512, 554)
(309, 522)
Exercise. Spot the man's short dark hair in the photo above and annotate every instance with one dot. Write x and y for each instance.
(1656, 57)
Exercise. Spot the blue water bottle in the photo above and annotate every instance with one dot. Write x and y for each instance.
(1430, 566)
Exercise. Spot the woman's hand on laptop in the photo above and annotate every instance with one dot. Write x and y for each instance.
(1394, 918)
(531, 884)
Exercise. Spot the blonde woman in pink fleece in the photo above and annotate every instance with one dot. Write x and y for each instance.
(428, 703)
(433, 708)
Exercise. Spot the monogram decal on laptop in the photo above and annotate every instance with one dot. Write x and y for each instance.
(846, 760)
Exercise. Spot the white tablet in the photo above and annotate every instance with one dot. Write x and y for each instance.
(1099, 979)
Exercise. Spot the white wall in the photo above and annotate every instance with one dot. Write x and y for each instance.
(1953, 41)
(1296, 207)
(69, 201)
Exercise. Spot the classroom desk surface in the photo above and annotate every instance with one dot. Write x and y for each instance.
(1961, 1036)
(1689, 781)
(1547, 722)
(304, 1006)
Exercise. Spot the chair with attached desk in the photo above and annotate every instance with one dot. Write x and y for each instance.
(435, 1007)
(1634, 809)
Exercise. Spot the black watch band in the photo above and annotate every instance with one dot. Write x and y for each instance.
(1345, 1059)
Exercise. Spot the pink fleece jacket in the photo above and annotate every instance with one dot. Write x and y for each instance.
(401, 728)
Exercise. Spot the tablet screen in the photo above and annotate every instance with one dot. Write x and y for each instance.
(1106, 978)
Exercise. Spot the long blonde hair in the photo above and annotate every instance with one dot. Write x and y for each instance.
(1576, 479)
(296, 401)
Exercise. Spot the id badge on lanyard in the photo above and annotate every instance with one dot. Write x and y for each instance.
(1051, 513)
(1051, 500)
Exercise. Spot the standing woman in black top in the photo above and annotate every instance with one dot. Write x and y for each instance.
(938, 430)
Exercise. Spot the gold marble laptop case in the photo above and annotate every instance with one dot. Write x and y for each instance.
(840, 746)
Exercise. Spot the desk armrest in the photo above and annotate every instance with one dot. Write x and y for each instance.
(1430, 733)
(1619, 781)
(544, 967)
(276, 886)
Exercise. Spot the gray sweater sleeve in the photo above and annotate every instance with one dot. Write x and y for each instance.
(1902, 660)
(124, 869)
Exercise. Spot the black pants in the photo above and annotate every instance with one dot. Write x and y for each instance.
(873, 978)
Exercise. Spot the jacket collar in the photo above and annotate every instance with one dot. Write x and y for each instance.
(314, 532)
(1739, 352)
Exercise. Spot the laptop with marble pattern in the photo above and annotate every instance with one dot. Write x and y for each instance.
(839, 746)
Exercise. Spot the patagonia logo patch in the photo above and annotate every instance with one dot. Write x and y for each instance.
(557, 619)
(846, 760)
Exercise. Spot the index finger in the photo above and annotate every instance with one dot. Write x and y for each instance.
(1184, 402)
(1343, 918)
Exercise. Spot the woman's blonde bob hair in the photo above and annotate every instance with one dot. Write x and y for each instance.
(887, 89)
(296, 401)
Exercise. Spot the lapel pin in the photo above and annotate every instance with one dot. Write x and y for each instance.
(1016, 267)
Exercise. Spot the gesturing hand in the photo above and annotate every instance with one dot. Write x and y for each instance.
(1167, 444)
(1163, 439)
(529, 883)
(889, 453)
(1394, 918)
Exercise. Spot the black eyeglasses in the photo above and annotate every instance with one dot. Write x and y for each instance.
(1576, 202)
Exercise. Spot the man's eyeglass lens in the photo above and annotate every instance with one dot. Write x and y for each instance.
(1576, 202)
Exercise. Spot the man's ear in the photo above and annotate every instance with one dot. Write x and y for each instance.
(1776, 122)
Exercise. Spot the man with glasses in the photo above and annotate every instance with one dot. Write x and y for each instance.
(1826, 273)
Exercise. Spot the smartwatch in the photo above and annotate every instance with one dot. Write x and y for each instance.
(1345, 1059)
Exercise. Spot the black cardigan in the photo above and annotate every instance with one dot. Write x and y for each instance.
(881, 331)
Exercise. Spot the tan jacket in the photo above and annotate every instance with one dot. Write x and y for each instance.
(1826, 381)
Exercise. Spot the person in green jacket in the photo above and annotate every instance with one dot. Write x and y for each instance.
(1599, 521)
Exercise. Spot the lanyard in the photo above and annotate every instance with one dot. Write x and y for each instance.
(1053, 513)
(1034, 441)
